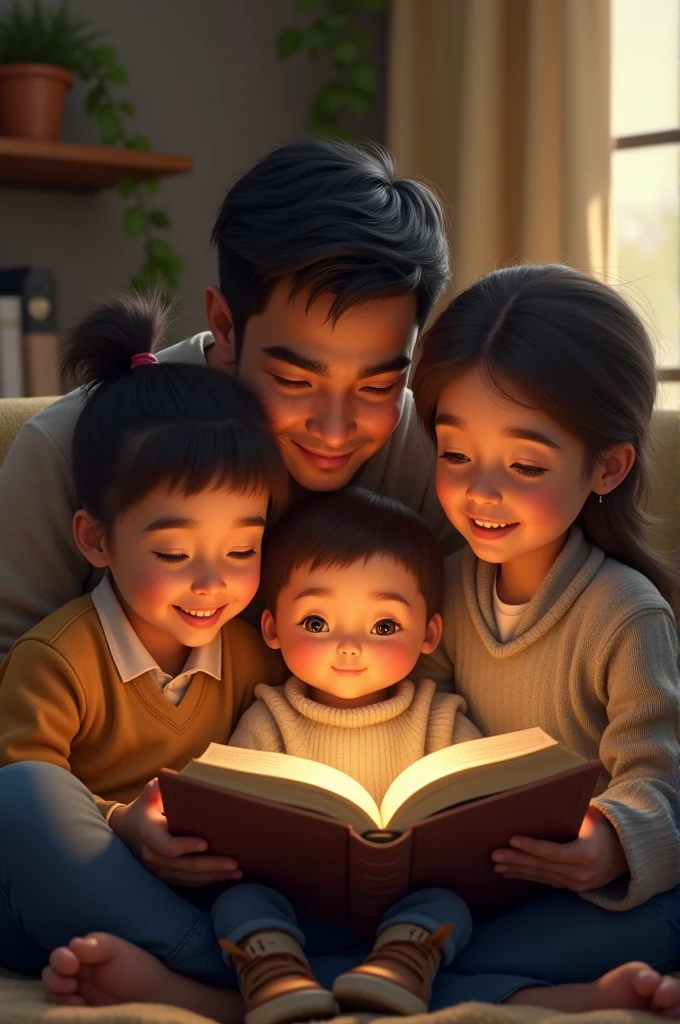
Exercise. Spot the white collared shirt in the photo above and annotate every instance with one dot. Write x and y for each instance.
(131, 657)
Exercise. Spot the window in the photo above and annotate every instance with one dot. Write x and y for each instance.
(645, 261)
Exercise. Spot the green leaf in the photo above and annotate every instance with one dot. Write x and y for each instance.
(152, 186)
(159, 251)
(307, 5)
(363, 78)
(341, 6)
(134, 222)
(126, 186)
(317, 38)
(127, 108)
(359, 102)
(288, 41)
(328, 101)
(336, 21)
(374, 5)
(159, 219)
(105, 56)
(117, 74)
(139, 142)
(344, 52)
(109, 125)
(94, 98)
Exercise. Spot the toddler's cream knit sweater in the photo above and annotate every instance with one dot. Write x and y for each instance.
(373, 744)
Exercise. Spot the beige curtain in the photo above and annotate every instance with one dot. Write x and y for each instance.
(503, 105)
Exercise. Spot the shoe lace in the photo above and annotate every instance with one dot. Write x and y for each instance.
(255, 972)
(419, 957)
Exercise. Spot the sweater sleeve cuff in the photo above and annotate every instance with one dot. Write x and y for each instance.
(652, 855)
(107, 807)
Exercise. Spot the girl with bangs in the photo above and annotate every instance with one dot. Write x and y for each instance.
(175, 472)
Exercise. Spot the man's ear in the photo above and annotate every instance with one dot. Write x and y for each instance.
(433, 634)
(268, 626)
(90, 540)
(222, 356)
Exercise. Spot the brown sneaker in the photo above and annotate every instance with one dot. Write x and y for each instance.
(394, 978)
(279, 988)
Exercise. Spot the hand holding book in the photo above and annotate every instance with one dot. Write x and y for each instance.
(593, 859)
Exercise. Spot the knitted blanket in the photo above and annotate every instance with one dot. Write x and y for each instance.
(23, 1002)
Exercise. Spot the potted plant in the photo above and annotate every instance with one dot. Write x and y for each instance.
(42, 49)
(40, 53)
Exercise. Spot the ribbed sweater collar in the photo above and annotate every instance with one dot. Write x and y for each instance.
(349, 718)
(570, 574)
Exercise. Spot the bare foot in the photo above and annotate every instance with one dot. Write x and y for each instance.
(633, 986)
(102, 969)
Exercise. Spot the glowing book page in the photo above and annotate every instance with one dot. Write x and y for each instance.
(470, 770)
(287, 780)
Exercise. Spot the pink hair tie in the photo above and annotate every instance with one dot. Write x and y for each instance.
(142, 359)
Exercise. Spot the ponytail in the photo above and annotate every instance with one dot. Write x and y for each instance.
(162, 424)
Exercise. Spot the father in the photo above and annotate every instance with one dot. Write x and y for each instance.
(329, 266)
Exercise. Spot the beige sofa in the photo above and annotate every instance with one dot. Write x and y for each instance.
(22, 1001)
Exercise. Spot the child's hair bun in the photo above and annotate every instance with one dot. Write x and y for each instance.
(99, 349)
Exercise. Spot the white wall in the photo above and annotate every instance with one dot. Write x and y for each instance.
(206, 81)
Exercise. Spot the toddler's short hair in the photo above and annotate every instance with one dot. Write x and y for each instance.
(352, 525)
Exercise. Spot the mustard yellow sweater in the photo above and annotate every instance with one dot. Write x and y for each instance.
(373, 744)
(62, 700)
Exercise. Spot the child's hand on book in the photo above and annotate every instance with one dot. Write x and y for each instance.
(595, 858)
(177, 860)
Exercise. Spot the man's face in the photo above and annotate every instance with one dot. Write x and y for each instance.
(333, 393)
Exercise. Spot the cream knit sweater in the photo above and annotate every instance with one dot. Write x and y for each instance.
(373, 744)
(593, 663)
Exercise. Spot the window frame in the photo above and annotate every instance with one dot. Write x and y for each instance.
(646, 139)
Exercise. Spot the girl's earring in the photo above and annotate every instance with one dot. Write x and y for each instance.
(600, 500)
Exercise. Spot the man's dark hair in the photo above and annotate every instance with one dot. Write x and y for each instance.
(335, 218)
(176, 425)
(341, 528)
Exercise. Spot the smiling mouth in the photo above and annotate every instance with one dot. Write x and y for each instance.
(199, 616)
(348, 671)
(489, 529)
(325, 460)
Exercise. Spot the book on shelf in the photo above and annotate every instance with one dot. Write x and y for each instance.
(317, 835)
(11, 347)
(36, 351)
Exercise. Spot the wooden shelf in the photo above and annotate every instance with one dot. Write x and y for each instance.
(64, 165)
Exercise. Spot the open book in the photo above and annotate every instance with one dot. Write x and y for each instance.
(443, 779)
(316, 835)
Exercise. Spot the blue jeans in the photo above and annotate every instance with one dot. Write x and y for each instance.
(63, 873)
(247, 908)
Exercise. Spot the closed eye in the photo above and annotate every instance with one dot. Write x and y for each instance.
(169, 558)
(373, 389)
(454, 458)
(242, 554)
(530, 471)
(284, 382)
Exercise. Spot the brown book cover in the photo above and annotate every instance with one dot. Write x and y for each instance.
(331, 873)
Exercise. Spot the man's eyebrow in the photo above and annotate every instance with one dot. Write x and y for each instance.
(288, 355)
(313, 592)
(169, 523)
(249, 521)
(391, 366)
(531, 435)
(390, 595)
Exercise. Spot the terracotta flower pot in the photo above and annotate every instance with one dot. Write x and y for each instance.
(32, 100)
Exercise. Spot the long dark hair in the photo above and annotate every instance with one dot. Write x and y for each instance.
(577, 351)
(178, 425)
